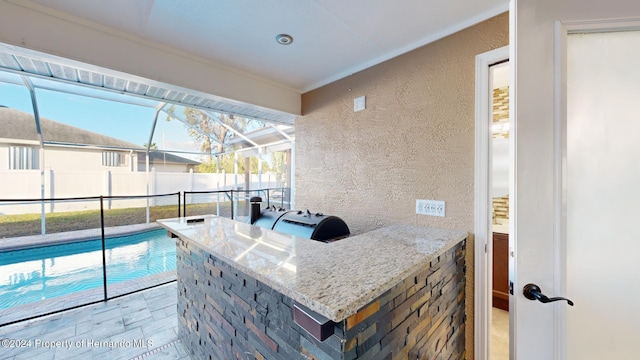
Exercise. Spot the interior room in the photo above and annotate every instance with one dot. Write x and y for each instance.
(500, 125)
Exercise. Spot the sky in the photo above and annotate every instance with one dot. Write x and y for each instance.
(124, 121)
(124, 117)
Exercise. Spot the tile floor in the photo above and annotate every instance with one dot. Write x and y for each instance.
(499, 334)
(143, 325)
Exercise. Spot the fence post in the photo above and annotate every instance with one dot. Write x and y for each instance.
(191, 179)
(218, 189)
(179, 204)
(49, 187)
(260, 171)
(154, 183)
(232, 217)
(152, 191)
(154, 201)
(268, 197)
(104, 255)
(184, 204)
(107, 186)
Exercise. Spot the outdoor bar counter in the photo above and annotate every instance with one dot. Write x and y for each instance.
(246, 292)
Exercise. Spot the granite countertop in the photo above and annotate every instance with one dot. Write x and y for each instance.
(333, 279)
(501, 226)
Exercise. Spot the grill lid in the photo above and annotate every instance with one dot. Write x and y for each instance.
(312, 226)
(299, 223)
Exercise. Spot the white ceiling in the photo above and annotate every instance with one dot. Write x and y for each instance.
(332, 38)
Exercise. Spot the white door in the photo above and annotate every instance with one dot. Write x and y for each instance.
(574, 221)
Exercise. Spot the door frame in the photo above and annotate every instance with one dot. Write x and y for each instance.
(483, 247)
(482, 235)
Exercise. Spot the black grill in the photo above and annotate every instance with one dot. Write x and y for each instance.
(314, 226)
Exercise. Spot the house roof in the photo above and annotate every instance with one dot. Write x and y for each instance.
(19, 125)
(159, 157)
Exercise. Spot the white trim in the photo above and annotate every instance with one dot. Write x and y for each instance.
(513, 184)
(605, 25)
(292, 186)
(482, 198)
(11, 141)
(559, 189)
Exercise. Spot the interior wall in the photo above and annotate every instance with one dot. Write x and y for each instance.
(414, 140)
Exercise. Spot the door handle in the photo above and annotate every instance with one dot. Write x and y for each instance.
(533, 292)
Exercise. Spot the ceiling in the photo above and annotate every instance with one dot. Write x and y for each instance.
(332, 38)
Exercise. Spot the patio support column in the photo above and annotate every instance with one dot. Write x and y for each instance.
(218, 183)
(235, 183)
(159, 108)
(260, 154)
(288, 177)
(36, 117)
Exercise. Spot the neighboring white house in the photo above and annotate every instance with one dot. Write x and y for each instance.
(68, 148)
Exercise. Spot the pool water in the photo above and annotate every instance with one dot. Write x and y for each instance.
(46, 272)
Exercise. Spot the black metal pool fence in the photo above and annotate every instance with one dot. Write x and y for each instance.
(81, 213)
(186, 203)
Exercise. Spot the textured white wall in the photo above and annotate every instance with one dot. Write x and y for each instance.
(414, 140)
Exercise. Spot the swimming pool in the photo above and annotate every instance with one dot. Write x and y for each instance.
(46, 272)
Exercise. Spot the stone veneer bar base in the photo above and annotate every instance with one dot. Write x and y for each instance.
(225, 314)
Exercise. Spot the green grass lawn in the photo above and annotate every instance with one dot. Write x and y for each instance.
(30, 224)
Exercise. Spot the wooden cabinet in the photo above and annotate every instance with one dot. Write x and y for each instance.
(501, 271)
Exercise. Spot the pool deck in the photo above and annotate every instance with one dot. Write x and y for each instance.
(143, 325)
(26, 242)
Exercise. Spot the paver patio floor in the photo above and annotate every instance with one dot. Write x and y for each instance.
(143, 325)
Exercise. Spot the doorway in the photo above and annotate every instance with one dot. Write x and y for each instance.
(491, 215)
(499, 180)
(499, 129)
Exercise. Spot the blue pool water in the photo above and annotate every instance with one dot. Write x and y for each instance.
(47, 272)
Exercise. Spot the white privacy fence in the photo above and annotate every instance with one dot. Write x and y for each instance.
(67, 184)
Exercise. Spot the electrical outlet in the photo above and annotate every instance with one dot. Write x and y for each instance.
(430, 207)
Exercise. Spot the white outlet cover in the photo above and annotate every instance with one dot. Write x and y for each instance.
(430, 207)
(359, 104)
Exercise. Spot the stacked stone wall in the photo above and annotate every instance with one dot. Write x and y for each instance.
(226, 314)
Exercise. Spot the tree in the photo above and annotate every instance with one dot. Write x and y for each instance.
(227, 164)
(203, 127)
(207, 131)
(279, 166)
(153, 146)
